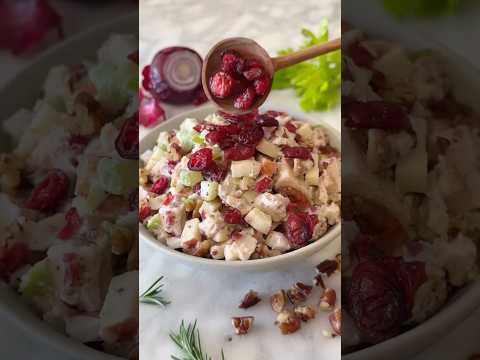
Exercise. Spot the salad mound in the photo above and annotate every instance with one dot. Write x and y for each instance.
(240, 187)
(411, 199)
(69, 202)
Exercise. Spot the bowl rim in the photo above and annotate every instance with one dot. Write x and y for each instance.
(306, 251)
(468, 297)
(17, 312)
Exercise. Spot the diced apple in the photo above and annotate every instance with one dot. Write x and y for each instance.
(191, 231)
(305, 132)
(312, 177)
(260, 221)
(267, 148)
(250, 168)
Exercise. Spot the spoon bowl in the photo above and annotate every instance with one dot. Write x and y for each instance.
(248, 49)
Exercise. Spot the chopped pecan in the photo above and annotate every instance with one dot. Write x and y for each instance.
(328, 299)
(203, 248)
(327, 267)
(250, 299)
(299, 293)
(288, 322)
(335, 319)
(318, 281)
(278, 301)
(242, 324)
(305, 313)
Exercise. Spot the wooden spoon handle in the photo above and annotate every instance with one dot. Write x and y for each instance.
(305, 54)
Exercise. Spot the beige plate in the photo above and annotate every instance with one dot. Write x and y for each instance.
(268, 264)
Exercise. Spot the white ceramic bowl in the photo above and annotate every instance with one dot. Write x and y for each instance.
(466, 80)
(273, 263)
(23, 91)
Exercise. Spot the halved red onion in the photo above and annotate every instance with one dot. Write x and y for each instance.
(175, 75)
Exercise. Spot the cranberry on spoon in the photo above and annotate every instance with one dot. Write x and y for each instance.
(237, 72)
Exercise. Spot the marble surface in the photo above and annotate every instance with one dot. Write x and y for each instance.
(208, 296)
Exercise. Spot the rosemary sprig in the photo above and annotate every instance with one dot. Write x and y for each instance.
(188, 341)
(153, 295)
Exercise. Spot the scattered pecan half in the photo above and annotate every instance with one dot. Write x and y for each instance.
(305, 313)
(242, 324)
(299, 293)
(328, 299)
(335, 319)
(278, 301)
(250, 299)
(288, 322)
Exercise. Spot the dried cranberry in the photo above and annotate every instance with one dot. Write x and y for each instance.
(229, 61)
(251, 134)
(360, 55)
(263, 184)
(127, 140)
(73, 224)
(215, 173)
(220, 137)
(160, 185)
(266, 120)
(291, 127)
(144, 212)
(232, 216)
(252, 73)
(239, 118)
(12, 258)
(168, 199)
(146, 78)
(297, 152)
(245, 100)
(261, 85)
(375, 115)
(252, 63)
(298, 230)
(240, 66)
(380, 296)
(221, 84)
(239, 152)
(50, 192)
(201, 160)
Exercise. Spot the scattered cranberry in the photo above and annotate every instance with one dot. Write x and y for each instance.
(144, 212)
(261, 85)
(250, 135)
(127, 140)
(266, 120)
(12, 258)
(168, 199)
(253, 73)
(263, 184)
(244, 100)
(160, 185)
(298, 229)
(50, 192)
(375, 115)
(239, 118)
(297, 152)
(215, 173)
(291, 127)
(74, 222)
(232, 216)
(239, 152)
(201, 160)
(221, 84)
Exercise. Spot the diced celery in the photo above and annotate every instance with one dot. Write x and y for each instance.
(37, 281)
(154, 222)
(217, 152)
(208, 190)
(190, 178)
(197, 138)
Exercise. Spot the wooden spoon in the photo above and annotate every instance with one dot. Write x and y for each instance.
(249, 49)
